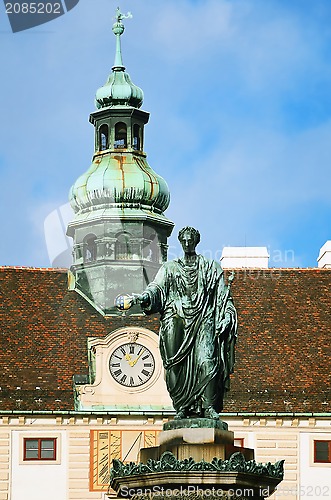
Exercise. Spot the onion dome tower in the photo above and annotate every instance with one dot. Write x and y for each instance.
(119, 230)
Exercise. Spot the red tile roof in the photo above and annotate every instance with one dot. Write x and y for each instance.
(283, 360)
(283, 352)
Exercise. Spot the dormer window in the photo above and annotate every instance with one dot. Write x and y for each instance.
(90, 248)
(103, 137)
(136, 137)
(120, 136)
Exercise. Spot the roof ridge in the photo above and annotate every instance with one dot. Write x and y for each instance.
(31, 268)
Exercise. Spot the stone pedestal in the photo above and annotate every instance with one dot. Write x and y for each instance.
(199, 438)
(196, 458)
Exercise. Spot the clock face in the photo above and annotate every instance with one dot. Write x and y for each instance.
(131, 364)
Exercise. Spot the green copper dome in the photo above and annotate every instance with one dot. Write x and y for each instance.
(119, 228)
(120, 182)
(119, 89)
(119, 177)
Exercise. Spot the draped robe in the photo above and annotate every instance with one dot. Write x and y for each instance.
(198, 356)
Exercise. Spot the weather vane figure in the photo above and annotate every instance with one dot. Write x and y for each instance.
(119, 15)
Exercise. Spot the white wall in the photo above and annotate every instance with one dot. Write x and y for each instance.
(315, 479)
(38, 481)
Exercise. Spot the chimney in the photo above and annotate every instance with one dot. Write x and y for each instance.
(324, 258)
(245, 257)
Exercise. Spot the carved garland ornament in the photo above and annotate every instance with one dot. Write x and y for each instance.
(132, 336)
(168, 462)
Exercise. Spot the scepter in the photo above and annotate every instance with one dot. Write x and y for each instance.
(227, 293)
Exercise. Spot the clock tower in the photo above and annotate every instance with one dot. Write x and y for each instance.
(119, 229)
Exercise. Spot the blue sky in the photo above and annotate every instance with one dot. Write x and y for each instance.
(239, 93)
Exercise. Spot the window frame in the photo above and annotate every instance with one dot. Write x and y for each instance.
(328, 461)
(120, 134)
(136, 137)
(90, 245)
(40, 458)
(239, 442)
(45, 434)
(123, 246)
(103, 135)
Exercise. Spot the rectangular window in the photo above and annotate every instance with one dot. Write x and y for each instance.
(39, 449)
(322, 452)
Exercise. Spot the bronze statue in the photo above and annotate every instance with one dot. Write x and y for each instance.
(198, 329)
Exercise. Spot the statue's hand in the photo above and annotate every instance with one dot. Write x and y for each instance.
(142, 299)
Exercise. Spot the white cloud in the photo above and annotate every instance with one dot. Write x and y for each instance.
(263, 176)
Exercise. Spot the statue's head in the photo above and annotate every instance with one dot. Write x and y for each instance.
(189, 238)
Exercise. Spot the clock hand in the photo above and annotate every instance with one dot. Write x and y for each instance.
(135, 360)
(128, 358)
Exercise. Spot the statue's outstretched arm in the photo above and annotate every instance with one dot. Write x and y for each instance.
(143, 299)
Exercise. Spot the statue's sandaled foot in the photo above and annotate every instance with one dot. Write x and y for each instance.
(179, 415)
(211, 413)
